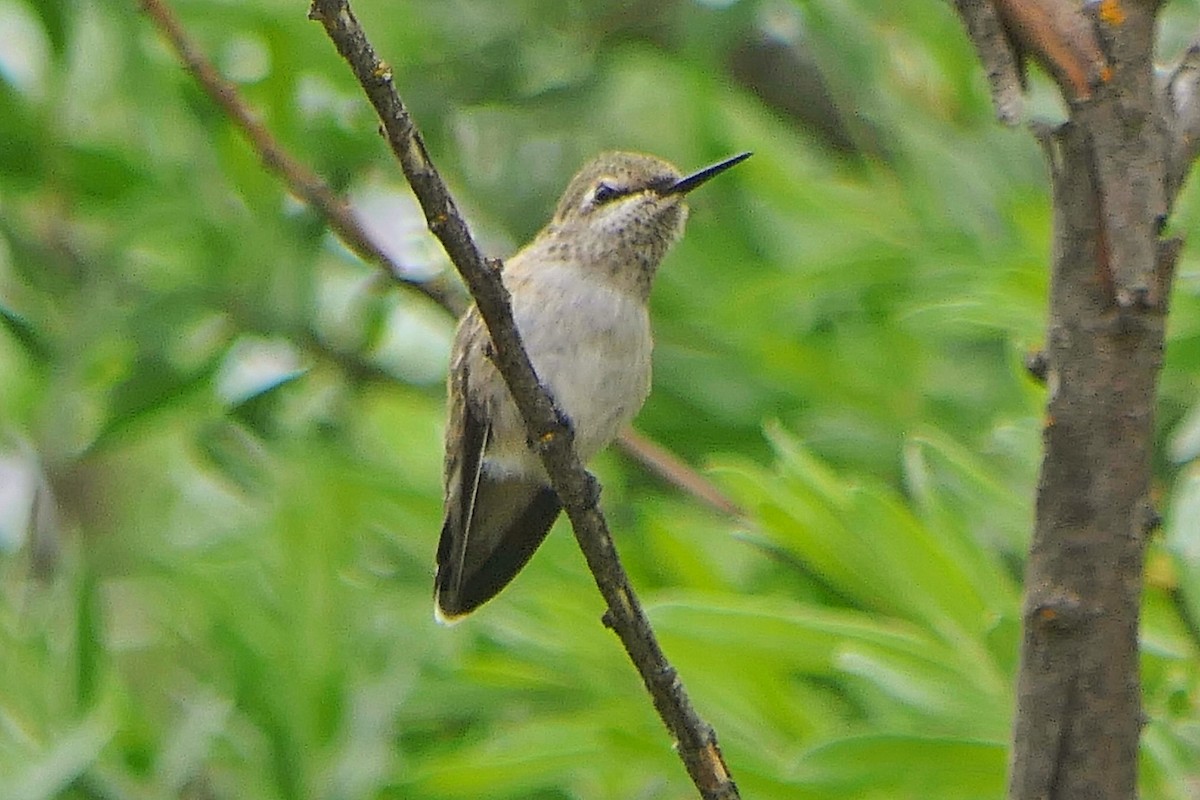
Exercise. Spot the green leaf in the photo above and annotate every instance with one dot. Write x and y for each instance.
(25, 333)
(69, 756)
(55, 18)
(895, 670)
(899, 767)
(23, 156)
(103, 175)
(90, 644)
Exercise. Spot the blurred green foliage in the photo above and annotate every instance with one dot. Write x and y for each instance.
(220, 434)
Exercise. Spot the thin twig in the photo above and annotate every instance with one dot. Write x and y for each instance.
(306, 184)
(668, 466)
(696, 741)
(316, 193)
(997, 56)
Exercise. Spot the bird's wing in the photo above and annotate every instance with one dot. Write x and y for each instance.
(493, 524)
(467, 434)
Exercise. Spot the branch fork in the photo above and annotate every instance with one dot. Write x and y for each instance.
(1116, 168)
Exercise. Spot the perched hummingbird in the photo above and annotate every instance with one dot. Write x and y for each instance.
(579, 292)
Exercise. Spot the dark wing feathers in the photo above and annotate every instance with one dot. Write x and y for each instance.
(493, 524)
(497, 547)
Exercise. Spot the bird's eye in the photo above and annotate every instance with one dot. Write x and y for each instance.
(604, 193)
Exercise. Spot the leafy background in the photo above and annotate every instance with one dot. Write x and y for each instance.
(220, 433)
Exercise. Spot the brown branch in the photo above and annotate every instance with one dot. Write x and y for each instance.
(1060, 37)
(578, 491)
(668, 466)
(303, 182)
(1055, 33)
(996, 53)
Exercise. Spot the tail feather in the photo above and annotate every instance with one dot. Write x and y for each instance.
(482, 551)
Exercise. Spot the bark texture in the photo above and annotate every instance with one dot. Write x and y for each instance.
(1078, 708)
(1115, 168)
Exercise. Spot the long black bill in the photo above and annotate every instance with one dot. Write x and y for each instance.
(689, 182)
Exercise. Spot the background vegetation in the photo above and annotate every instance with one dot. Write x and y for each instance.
(220, 434)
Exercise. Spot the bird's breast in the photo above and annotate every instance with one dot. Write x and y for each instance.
(591, 345)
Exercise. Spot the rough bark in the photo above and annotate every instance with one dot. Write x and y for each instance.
(1078, 706)
(1115, 167)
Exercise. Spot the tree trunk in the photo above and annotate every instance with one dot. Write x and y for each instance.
(1115, 167)
(1078, 706)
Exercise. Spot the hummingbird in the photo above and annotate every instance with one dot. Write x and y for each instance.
(579, 294)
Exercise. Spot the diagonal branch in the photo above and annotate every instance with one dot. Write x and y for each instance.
(996, 53)
(1060, 37)
(1056, 34)
(578, 491)
(309, 187)
(668, 466)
